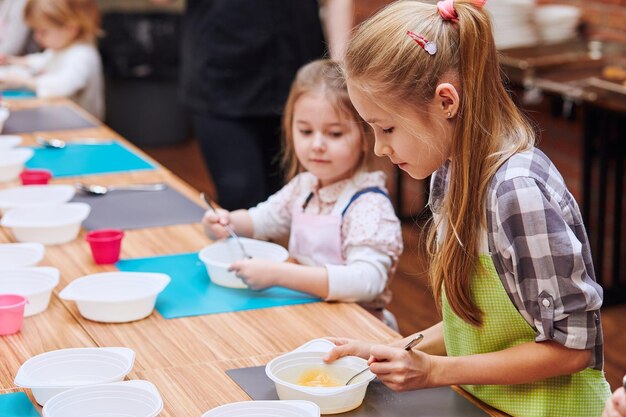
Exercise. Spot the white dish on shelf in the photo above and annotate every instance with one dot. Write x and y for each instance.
(51, 373)
(49, 225)
(116, 297)
(34, 283)
(14, 255)
(35, 195)
(136, 398)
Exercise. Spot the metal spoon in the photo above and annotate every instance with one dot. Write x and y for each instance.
(56, 143)
(418, 338)
(229, 229)
(95, 189)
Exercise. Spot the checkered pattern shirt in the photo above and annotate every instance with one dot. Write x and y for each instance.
(539, 247)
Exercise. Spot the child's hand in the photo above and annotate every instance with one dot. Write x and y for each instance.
(256, 273)
(214, 223)
(616, 405)
(16, 80)
(4, 59)
(347, 347)
(398, 369)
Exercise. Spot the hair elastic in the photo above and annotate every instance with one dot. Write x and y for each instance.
(448, 12)
(428, 46)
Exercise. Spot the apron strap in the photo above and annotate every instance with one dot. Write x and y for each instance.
(360, 193)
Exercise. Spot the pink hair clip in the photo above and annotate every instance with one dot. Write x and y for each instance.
(428, 46)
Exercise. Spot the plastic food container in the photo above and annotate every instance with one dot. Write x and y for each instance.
(135, 398)
(12, 162)
(116, 297)
(46, 224)
(9, 141)
(266, 408)
(11, 313)
(56, 371)
(35, 195)
(218, 256)
(20, 254)
(286, 369)
(34, 283)
(35, 176)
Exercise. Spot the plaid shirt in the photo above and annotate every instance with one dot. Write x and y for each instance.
(539, 247)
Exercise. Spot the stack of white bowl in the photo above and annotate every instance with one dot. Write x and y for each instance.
(557, 22)
(513, 23)
(12, 158)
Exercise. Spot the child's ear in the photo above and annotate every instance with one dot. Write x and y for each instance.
(447, 100)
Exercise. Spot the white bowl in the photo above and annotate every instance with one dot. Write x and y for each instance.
(120, 399)
(218, 256)
(286, 369)
(116, 297)
(9, 142)
(4, 115)
(12, 162)
(46, 224)
(35, 195)
(266, 408)
(20, 254)
(34, 283)
(56, 371)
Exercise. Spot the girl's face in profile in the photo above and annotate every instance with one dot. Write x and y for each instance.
(327, 144)
(50, 36)
(418, 149)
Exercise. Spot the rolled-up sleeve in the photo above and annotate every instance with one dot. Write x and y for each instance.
(544, 262)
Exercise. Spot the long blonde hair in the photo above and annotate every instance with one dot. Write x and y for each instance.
(386, 63)
(322, 76)
(84, 14)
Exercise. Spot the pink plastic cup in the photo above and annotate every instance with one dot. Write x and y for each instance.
(105, 245)
(11, 313)
(35, 176)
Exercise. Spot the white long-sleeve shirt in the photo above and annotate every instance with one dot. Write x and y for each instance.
(370, 232)
(74, 72)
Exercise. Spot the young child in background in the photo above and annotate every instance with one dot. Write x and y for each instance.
(70, 65)
(511, 266)
(341, 224)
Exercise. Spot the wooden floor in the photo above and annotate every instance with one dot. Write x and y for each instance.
(413, 303)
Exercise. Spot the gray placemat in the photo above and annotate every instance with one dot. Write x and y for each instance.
(45, 118)
(139, 209)
(379, 400)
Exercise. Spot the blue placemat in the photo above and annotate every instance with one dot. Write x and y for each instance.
(17, 404)
(12, 94)
(191, 293)
(88, 159)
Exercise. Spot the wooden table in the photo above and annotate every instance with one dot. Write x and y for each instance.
(185, 357)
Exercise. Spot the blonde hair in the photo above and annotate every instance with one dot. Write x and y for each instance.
(60, 13)
(385, 62)
(322, 76)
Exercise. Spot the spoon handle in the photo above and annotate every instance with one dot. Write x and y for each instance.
(229, 229)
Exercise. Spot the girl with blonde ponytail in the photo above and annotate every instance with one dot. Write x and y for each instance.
(511, 267)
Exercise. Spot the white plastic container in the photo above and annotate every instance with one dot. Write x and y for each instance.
(286, 369)
(116, 297)
(218, 256)
(34, 283)
(56, 371)
(9, 142)
(12, 162)
(266, 408)
(135, 398)
(46, 224)
(14, 255)
(4, 115)
(35, 195)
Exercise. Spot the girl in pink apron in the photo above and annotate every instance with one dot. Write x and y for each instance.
(342, 229)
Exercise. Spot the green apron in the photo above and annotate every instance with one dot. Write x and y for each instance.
(579, 395)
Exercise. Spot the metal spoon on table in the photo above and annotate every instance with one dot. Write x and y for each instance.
(95, 189)
(229, 229)
(418, 338)
(56, 143)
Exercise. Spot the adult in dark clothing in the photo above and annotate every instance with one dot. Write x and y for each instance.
(239, 58)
